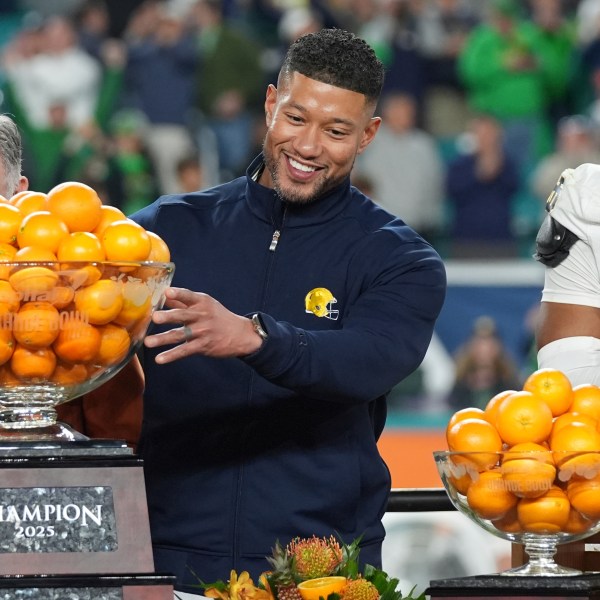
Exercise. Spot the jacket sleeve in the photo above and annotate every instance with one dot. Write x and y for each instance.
(386, 330)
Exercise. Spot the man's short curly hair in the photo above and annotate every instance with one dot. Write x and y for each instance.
(338, 58)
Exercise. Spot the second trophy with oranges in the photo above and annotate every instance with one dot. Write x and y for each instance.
(526, 468)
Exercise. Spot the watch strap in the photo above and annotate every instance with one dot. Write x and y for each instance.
(258, 326)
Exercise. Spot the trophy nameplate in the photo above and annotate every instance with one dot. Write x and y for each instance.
(72, 513)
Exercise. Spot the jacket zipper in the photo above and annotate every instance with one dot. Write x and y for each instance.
(236, 544)
(274, 240)
(277, 232)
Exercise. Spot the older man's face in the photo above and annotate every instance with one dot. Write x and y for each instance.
(7, 190)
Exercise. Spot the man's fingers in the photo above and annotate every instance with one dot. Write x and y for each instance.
(171, 316)
(173, 303)
(182, 295)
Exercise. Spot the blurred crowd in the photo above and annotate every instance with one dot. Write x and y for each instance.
(485, 101)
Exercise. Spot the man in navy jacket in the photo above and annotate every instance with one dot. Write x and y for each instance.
(297, 304)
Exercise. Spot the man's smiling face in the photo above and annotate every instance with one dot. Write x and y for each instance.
(314, 133)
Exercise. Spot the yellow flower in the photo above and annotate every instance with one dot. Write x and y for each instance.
(215, 593)
(239, 588)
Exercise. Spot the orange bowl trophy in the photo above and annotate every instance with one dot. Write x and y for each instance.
(65, 329)
(531, 496)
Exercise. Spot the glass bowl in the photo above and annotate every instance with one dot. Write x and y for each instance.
(538, 499)
(65, 329)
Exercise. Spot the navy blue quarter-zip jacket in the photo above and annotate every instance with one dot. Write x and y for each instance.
(241, 452)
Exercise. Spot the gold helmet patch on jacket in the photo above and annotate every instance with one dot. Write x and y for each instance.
(319, 302)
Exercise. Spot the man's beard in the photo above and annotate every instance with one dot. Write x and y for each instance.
(291, 195)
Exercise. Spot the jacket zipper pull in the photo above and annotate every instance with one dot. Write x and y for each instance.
(274, 240)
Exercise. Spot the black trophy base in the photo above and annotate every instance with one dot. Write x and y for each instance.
(89, 587)
(586, 585)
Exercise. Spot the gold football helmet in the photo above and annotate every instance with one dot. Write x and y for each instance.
(319, 302)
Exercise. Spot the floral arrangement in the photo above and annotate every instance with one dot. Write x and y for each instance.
(311, 569)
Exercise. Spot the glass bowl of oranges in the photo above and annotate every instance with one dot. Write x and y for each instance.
(526, 467)
(78, 285)
(535, 497)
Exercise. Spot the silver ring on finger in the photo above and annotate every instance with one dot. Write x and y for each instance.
(188, 336)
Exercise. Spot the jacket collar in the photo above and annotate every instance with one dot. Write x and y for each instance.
(265, 203)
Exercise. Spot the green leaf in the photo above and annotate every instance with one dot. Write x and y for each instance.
(348, 566)
(219, 585)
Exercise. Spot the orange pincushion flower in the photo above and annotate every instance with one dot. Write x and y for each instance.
(315, 557)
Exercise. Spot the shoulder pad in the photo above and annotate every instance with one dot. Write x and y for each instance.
(553, 242)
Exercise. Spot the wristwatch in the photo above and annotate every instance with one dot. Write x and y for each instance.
(258, 326)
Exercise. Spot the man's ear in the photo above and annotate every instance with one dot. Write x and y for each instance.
(23, 184)
(270, 102)
(369, 133)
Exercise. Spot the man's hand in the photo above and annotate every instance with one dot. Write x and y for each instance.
(201, 325)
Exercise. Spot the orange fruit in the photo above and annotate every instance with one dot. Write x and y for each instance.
(69, 374)
(586, 400)
(528, 470)
(100, 302)
(34, 254)
(14, 198)
(553, 387)
(32, 364)
(489, 497)
(80, 246)
(491, 408)
(545, 514)
(321, 587)
(568, 418)
(523, 417)
(36, 324)
(159, 250)
(126, 241)
(42, 229)
(31, 202)
(7, 254)
(577, 523)
(461, 483)
(475, 436)
(584, 495)
(10, 221)
(7, 377)
(576, 437)
(10, 300)
(576, 446)
(78, 275)
(114, 344)
(33, 282)
(508, 523)
(469, 412)
(137, 303)
(76, 204)
(61, 296)
(78, 341)
(7, 344)
(108, 214)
